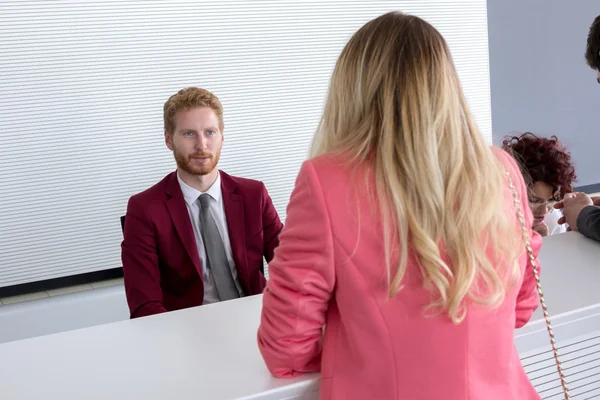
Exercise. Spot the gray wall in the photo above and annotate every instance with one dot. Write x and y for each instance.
(539, 79)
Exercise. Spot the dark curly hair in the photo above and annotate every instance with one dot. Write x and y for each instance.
(543, 160)
(592, 50)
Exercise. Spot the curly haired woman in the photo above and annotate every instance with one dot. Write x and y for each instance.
(547, 169)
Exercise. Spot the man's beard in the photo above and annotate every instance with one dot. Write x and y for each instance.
(186, 163)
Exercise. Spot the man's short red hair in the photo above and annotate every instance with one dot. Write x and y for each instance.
(188, 98)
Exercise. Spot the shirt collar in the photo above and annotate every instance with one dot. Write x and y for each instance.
(191, 195)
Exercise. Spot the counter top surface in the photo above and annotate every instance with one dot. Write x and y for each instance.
(210, 352)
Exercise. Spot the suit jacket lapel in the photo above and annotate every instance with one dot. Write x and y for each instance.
(236, 226)
(181, 220)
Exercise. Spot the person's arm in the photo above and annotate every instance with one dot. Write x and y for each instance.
(140, 263)
(272, 226)
(527, 298)
(581, 213)
(588, 222)
(301, 284)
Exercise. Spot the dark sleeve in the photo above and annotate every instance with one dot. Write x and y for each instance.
(140, 263)
(272, 226)
(588, 222)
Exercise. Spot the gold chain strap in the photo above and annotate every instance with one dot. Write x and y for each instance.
(536, 275)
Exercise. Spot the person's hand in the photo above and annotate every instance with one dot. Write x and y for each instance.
(541, 228)
(596, 200)
(571, 206)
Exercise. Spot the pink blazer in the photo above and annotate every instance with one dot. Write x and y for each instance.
(329, 269)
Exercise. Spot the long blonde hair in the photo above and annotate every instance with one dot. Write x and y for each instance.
(395, 103)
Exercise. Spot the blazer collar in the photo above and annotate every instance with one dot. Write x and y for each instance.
(233, 201)
(181, 219)
(235, 215)
(228, 183)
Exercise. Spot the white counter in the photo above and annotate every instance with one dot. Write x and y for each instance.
(207, 352)
(210, 352)
(571, 281)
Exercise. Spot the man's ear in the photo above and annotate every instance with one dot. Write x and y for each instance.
(169, 140)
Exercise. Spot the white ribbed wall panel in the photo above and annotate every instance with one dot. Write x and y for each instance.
(82, 84)
(580, 358)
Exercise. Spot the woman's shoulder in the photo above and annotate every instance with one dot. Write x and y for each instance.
(503, 156)
(508, 162)
(330, 164)
(335, 173)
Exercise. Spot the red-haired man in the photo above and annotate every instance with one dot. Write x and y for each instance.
(200, 235)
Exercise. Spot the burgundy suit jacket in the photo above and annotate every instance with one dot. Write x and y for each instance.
(160, 258)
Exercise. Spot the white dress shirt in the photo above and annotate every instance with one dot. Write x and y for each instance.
(551, 219)
(217, 210)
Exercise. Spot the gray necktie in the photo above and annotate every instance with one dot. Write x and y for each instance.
(216, 258)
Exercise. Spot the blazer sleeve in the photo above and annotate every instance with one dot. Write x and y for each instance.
(588, 222)
(272, 226)
(527, 298)
(301, 284)
(139, 255)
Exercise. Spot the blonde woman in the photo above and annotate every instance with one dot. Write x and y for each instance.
(401, 237)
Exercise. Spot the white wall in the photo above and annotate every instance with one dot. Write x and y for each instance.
(539, 78)
(82, 84)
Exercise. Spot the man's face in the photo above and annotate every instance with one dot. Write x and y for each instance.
(196, 140)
